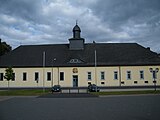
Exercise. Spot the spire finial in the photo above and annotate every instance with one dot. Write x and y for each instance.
(76, 22)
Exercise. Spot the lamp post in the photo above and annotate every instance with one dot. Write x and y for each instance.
(95, 63)
(44, 61)
(154, 72)
(52, 70)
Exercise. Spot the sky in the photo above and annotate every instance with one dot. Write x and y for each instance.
(33, 22)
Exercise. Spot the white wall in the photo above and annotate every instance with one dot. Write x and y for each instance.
(82, 76)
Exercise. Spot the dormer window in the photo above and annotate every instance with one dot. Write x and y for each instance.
(75, 61)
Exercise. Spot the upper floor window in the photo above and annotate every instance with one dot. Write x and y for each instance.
(102, 75)
(128, 75)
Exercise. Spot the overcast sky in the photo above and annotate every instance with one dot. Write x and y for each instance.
(31, 22)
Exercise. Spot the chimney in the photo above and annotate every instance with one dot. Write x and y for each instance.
(148, 48)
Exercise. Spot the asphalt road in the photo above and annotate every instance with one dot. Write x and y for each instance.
(145, 107)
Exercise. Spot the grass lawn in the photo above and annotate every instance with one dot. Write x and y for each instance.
(23, 92)
(36, 92)
(127, 92)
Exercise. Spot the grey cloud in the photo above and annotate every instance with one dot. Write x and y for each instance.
(29, 10)
(139, 19)
(48, 21)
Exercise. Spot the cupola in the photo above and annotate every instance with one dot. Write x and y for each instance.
(76, 32)
(76, 43)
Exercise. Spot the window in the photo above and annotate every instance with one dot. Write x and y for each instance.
(49, 76)
(61, 76)
(154, 75)
(115, 75)
(128, 75)
(141, 74)
(13, 77)
(145, 81)
(135, 82)
(89, 76)
(122, 82)
(102, 75)
(1, 76)
(75, 61)
(36, 76)
(24, 76)
(102, 83)
(89, 83)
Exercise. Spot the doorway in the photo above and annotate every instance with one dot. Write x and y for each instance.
(75, 80)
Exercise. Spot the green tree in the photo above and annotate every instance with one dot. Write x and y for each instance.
(9, 75)
(4, 48)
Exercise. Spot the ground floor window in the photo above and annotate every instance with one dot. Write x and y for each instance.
(128, 75)
(1, 76)
(154, 75)
(61, 76)
(89, 76)
(36, 76)
(14, 75)
(115, 75)
(49, 76)
(141, 74)
(102, 75)
(24, 76)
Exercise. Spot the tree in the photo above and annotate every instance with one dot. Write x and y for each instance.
(9, 75)
(4, 48)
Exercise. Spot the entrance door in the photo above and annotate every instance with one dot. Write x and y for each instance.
(75, 80)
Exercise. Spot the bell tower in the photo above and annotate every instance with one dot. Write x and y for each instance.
(76, 43)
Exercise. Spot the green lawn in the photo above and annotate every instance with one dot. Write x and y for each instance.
(41, 92)
(127, 92)
(23, 92)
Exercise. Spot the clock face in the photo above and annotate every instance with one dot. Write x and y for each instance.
(75, 70)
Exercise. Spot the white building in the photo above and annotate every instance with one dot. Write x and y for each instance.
(78, 64)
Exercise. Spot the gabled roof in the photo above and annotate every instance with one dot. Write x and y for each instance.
(108, 54)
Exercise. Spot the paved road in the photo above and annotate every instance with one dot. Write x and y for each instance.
(145, 107)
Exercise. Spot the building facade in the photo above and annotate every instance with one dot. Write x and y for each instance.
(78, 64)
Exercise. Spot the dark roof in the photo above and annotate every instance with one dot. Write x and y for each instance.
(76, 28)
(108, 54)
